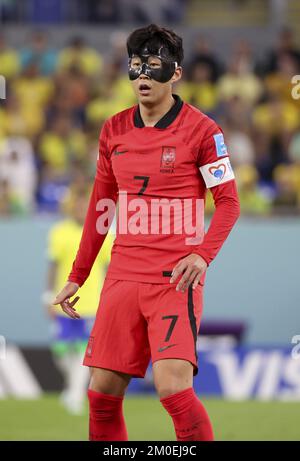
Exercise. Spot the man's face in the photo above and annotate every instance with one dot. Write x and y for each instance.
(146, 89)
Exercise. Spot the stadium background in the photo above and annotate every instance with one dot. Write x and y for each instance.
(241, 56)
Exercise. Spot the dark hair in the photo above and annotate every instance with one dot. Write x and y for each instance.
(154, 36)
(77, 41)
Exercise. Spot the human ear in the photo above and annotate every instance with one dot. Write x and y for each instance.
(177, 74)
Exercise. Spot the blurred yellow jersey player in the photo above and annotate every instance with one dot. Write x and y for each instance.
(70, 336)
(64, 239)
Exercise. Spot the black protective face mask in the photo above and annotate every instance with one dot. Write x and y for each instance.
(161, 74)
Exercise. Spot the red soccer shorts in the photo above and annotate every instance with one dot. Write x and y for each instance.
(137, 321)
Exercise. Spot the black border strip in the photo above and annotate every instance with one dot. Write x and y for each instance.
(192, 318)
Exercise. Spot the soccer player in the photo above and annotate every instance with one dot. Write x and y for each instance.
(157, 158)
(69, 338)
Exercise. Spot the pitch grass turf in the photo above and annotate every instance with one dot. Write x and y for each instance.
(45, 419)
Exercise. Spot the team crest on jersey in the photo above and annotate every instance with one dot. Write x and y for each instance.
(168, 156)
(89, 349)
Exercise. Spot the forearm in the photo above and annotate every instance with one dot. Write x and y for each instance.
(92, 236)
(226, 214)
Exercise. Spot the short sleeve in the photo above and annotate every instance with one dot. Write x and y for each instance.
(213, 157)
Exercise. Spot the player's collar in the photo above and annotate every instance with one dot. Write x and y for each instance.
(166, 120)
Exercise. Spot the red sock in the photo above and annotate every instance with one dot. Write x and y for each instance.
(190, 419)
(106, 417)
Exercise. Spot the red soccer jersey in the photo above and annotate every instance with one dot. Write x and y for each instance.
(159, 176)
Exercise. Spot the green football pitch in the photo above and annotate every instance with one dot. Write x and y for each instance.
(45, 419)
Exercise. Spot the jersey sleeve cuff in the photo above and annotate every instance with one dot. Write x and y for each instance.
(203, 255)
(75, 279)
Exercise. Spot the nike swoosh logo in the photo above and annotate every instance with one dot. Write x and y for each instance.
(120, 152)
(161, 349)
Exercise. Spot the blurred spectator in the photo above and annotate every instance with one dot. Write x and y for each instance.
(17, 168)
(252, 200)
(239, 81)
(243, 53)
(236, 113)
(19, 119)
(73, 93)
(240, 146)
(287, 196)
(9, 203)
(275, 121)
(112, 95)
(199, 89)
(62, 145)
(33, 92)
(9, 60)
(38, 52)
(279, 81)
(117, 55)
(79, 55)
(32, 89)
(202, 54)
(285, 46)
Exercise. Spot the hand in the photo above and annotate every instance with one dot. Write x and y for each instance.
(63, 298)
(193, 267)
